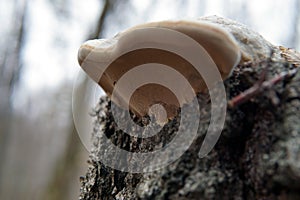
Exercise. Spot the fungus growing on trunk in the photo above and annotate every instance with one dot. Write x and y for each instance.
(106, 61)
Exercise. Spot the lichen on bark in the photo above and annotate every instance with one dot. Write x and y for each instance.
(256, 157)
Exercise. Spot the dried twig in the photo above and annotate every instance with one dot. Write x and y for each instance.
(259, 87)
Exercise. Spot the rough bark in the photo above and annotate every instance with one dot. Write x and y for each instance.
(256, 157)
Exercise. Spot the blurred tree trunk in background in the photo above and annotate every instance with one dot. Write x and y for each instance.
(60, 187)
(234, 10)
(295, 39)
(10, 66)
(107, 8)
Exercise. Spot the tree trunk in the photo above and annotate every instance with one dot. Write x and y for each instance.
(256, 157)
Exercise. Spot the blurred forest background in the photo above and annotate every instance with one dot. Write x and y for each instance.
(41, 156)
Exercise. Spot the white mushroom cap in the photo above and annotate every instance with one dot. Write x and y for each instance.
(94, 56)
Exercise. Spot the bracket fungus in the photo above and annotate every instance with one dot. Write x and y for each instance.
(103, 61)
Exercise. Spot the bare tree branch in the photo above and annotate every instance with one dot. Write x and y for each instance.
(107, 8)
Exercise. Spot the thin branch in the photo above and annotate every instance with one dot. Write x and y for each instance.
(259, 88)
(108, 6)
